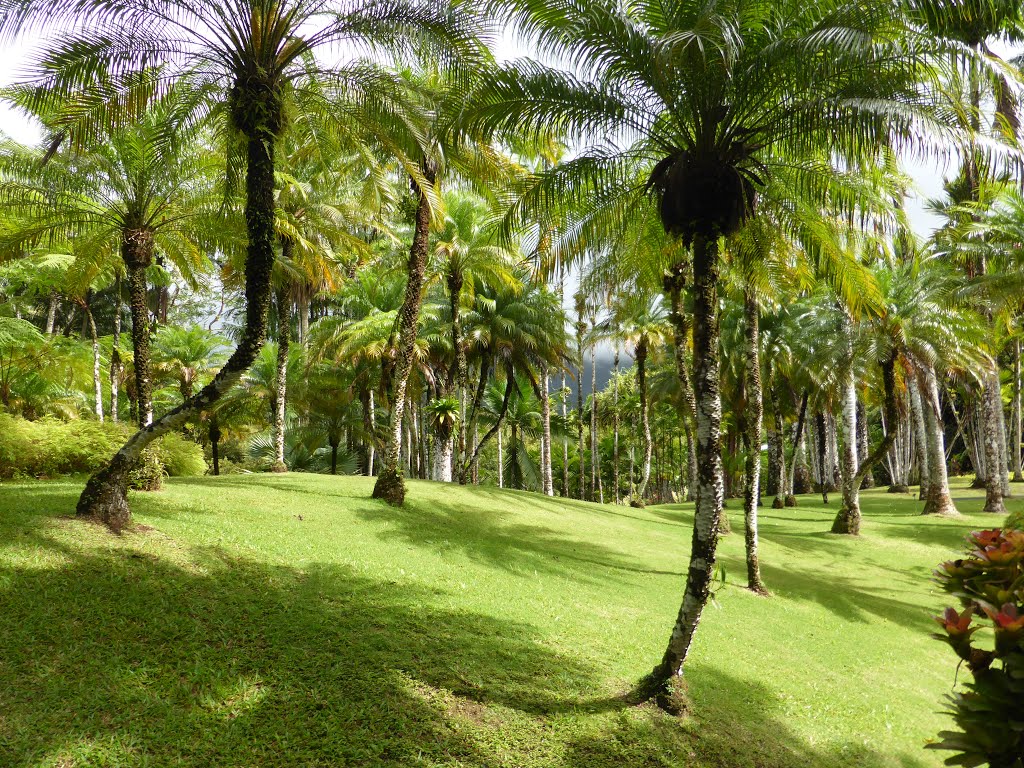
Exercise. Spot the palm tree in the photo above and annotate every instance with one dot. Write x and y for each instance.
(697, 109)
(643, 322)
(188, 355)
(137, 191)
(243, 61)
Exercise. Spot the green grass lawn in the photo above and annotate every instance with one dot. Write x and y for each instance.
(291, 621)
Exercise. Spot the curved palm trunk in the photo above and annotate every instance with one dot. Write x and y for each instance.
(752, 438)
(645, 422)
(390, 484)
(711, 488)
(284, 324)
(993, 475)
(105, 495)
(939, 501)
(138, 254)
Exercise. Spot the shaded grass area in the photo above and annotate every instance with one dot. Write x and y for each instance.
(291, 621)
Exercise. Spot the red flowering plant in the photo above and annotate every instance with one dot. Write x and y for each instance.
(989, 711)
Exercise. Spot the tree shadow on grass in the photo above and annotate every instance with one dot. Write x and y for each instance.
(737, 723)
(492, 537)
(121, 657)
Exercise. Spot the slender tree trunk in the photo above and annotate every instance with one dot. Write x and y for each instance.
(752, 438)
(390, 484)
(993, 478)
(215, 443)
(51, 313)
(1004, 456)
(710, 492)
(615, 424)
(581, 327)
(115, 353)
(596, 491)
(798, 447)
(848, 520)
(284, 324)
(105, 495)
(501, 461)
(455, 281)
(863, 443)
(1016, 418)
(334, 456)
(779, 447)
(97, 372)
(674, 285)
(939, 501)
(640, 357)
(920, 435)
(545, 405)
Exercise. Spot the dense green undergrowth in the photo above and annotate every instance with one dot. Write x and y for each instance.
(291, 621)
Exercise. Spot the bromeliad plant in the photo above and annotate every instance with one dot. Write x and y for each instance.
(989, 714)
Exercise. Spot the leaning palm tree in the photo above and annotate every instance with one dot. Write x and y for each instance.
(246, 62)
(701, 103)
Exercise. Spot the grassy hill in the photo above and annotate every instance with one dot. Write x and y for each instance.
(291, 621)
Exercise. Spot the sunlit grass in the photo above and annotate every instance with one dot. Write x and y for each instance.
(291, 621)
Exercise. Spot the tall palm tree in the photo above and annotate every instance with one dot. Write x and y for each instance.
(702, 103)
(243, 61)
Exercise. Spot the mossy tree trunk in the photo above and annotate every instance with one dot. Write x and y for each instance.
(675, 282)
(711, 486)
(993, 475)
(105, 495)
(390, 484)
(137, 251)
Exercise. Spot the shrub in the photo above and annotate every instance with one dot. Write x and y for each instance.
(50, 447)
(179, 456)
(989, 714)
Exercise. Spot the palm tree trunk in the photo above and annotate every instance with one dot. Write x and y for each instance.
(798, 449)
(993, 475)
(115, 352)
(545, 405)
(779, 448)
(615, 424)
(596, 491)
(848, 519)
(501, 461)
(920, 436)
(284, 324)
(939, 501)
(455, 281)
(752, 438)
(640, 357)
(105, 495)
(215, 443)
(581, 327)
(51, 313)
(1004, 456)
(1016, 418)
(390, 484)
(138, 255)
(710, 491)
(97, 372)
(863, 443)
(674, 285)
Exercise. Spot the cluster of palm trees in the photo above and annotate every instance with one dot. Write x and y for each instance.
(725, 175)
